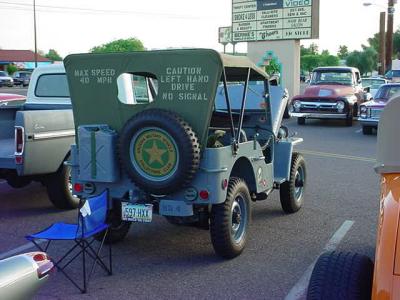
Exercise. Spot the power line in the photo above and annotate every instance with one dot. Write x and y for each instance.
(51, 8)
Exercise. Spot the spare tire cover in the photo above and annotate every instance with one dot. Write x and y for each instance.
(159, 151)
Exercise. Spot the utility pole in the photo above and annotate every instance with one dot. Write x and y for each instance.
(382, 65)
(34, 30)
(389, 35)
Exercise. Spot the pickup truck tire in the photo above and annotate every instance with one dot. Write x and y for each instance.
(59, 189)
(230, 220)
(349, 119)
(341, 276)
(292, 192)
(159, 151)
(301, 121)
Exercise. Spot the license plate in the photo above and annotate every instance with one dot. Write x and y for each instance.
(136, 212)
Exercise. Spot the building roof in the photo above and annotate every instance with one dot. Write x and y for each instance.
(20, 56)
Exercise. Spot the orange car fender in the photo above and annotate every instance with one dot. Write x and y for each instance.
(387, 238)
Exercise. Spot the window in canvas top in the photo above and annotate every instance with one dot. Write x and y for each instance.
(137, 89)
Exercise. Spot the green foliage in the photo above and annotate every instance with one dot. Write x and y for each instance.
(365, 61)
(11, 69)
(343, 52)
(310, 59)
(122, 45)
(273, 67)
(374, 42)
(53, 55)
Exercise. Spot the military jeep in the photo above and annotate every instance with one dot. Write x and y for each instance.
(192, 135)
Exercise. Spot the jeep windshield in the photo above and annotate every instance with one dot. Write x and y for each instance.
(255, 98)
(342, 77)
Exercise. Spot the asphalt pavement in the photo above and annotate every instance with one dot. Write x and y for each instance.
(163, 261)
(14, 90)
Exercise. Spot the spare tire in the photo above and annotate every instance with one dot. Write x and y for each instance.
(159, 151)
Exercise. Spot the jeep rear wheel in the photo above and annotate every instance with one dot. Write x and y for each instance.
(230, 220)
(159, 151)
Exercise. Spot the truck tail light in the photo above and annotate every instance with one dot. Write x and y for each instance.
(19, 144)
(19, 140)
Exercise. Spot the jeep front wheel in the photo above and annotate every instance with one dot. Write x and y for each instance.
(230, 220)
(292, 191)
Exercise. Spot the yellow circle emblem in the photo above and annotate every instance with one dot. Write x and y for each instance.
(155, 153)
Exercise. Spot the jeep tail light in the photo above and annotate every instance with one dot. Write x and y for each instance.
(204, 195)
(19, 140)
(78, 187)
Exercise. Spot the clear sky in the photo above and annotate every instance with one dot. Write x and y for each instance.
(163, 24)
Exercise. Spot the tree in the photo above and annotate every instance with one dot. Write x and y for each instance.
(53, 55)
(121, 45)
(11, 69)
(365, 61)
(374, 42)
(343, 52)
(273, 67)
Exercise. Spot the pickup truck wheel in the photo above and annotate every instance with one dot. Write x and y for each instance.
(59, 189)
(118, 229)
(301, 121)
(341, 276)
(230, 220)
(292, 191)
(159, 151)
(349, 120)
(367, 130)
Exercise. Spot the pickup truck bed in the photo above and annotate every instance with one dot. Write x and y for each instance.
(7, 148)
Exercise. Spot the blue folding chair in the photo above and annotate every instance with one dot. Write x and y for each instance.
(91, 221)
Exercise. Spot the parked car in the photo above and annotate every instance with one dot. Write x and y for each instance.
(5, 79)
(11, 99)
(22, 275)
(370, 111)
(180, 153)
(35, 137)
(351, 276)
(373, 83)
(22, 78)
(393, 75)
(333, 93)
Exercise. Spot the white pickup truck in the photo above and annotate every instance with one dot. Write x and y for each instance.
(35, 137)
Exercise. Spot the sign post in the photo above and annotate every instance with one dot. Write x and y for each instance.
(225, 36)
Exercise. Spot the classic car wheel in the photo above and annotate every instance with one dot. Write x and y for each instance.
(230, 220)
(292, 191)
(367, 130)
(59, 188)
(159, 151)
(341, 276)
(301, 121)
(118, 229)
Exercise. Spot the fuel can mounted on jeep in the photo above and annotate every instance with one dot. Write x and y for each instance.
(183, 134)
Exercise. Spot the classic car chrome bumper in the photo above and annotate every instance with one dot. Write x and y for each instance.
(368, 121)
(319, 115)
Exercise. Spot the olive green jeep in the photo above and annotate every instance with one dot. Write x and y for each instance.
(192, 135)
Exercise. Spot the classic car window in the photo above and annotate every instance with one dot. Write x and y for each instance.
(373, 83)
(3, 74)
(136, 89)
(333, 77)
(254, 101)
(52, 85)
(387, 92)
